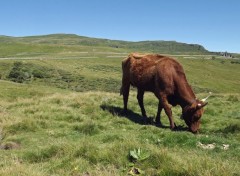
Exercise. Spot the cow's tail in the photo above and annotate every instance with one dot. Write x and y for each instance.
(125, 65)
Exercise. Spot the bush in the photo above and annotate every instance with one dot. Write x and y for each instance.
(38, 73)
(213, 58)
(19, 73)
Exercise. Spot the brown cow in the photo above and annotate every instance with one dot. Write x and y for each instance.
(164, 77)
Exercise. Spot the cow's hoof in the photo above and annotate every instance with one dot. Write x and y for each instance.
(146, 120)
(174, 128)
(150, 120)
(159, 124)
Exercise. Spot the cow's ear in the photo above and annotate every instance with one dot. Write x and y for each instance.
(201, 105)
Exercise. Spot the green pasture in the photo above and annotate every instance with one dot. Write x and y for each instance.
(63, 116)
(61, 112)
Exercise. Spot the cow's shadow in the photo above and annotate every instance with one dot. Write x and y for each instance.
(136, 118)
(129, 114)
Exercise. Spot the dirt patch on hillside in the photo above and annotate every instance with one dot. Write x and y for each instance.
(9, 146)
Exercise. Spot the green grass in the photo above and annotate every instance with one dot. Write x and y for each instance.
(93, 74)
(212, 75)
(71, 133)
(63, 116)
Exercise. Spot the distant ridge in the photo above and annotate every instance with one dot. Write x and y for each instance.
(55, 43)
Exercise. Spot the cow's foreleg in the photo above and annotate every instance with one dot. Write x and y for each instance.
(158, 120)
(168, 111)
(140, 95)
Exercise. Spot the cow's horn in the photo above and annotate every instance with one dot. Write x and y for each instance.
(203, 100)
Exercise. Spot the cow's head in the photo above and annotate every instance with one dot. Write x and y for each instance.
(192, 115)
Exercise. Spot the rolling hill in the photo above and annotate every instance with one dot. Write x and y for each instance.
(57, 43)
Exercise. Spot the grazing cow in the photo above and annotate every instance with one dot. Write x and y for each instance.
(164, 77)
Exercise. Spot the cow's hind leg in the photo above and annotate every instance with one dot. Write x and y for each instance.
(140, 102)
(158, 120)
(125, 92)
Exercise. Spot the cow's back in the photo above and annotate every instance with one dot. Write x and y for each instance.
(141, 70)
(150, 71)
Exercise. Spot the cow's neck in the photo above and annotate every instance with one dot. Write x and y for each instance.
(186, 95)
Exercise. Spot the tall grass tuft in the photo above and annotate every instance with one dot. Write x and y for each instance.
(88, 128)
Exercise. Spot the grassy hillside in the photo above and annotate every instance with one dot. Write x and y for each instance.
(63, 117)
(59, 43)
(61, 113)
(58, 132)
(104, 74)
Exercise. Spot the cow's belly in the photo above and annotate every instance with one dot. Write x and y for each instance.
(173, 100)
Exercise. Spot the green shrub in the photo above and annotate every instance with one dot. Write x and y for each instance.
(138, 155)
(38, 73)
(19, 73)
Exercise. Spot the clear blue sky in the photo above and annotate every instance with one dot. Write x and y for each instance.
(215, 24)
